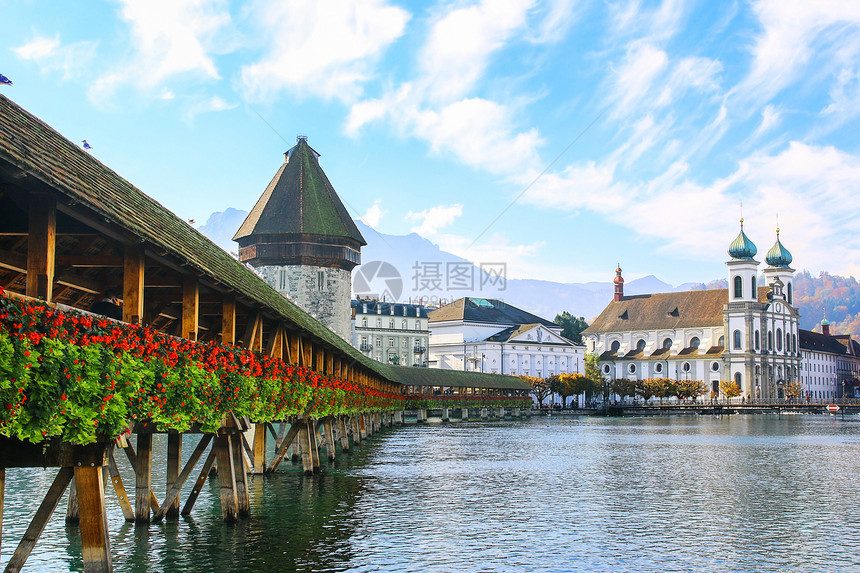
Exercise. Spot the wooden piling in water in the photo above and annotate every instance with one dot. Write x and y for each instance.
(95, 543)
(344, 436)
(174, 457)
(143, 477)
(259, 448)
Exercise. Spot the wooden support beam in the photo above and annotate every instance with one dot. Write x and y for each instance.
(319, 363)
(305, 444)
(41, 244)
(328, 430)
(143, 478)
(308, 354)
(119, 488)
(243, 503)
(37, 525)
(226, 477)
(132, 459)
(198, 485)
(344, 436)
(228, 320)
(172, 497)
(356, 430)
(259, 448)
(174, 458)
(190, 307)
(95, 543)
(282, 447)
(132, 285)
(252, 330)
(315, 446)
(296, 349)
(72, 515)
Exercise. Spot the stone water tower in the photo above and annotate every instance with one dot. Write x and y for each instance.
(301, 239)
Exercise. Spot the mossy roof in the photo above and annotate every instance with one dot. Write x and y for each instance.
(300, 200)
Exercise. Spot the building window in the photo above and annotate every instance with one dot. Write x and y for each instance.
(737, 339)
(770, 340)
(632, 368)
(715, 366)
(364, 322)
(738, 379)
(787, 342)
(391, 324)
(739, 287)
(378, 323)
(641, 344)
(794, 343)
(789, 294)
(686, 367)
(779, 339)
(667, 344)
(753, 294)
(606, 369)
(615, 346)
(320, 281)
(658, 368)
(722, 341)
(284, 282)
(694, 342)
(391, 342)
(757, 345)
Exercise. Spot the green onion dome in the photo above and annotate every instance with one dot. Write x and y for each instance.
(742, 247)
(778, 256)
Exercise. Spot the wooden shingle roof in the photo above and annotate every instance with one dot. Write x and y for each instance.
(300, 200)
(34, 148)
(689, 309)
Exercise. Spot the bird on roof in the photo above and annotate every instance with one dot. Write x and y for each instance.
(5, 81)
(86, 145)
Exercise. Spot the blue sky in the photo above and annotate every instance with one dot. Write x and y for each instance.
(560, 137)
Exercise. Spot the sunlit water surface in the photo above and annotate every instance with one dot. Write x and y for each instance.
(739, 493)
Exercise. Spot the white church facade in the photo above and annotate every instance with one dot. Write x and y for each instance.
(746, 333)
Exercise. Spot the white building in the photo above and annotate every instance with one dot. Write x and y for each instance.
(489, 335)
(746, 333)
(391, 332)
(830, 365)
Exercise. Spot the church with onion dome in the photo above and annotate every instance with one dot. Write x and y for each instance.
(746, 333)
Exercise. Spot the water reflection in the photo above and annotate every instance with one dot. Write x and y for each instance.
(739, 493)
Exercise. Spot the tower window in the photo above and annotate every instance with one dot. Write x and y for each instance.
(737, 339)
(667, 343)
(757, 341)
(641, 344)
(739, 287)
(753, 294)
(284, 282)
(779, 339)
(694, 342)
(320, 281)
(789, 294)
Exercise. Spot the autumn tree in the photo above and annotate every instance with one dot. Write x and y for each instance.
(559, 384)
(622, 387)
(540, 387)
(794, 390)
(689, 389)
(730, 388)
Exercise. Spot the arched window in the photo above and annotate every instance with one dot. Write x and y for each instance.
(694, 342)
(779, 339)
(722, 341)
(739, 287)
(641, 344)
(736, 335)
(757, 345)
(667, 344)
(787, 341)
(754, 294)
(770, 341)
(738, 379)
(615, 346)
(789, 294)
(794, 343)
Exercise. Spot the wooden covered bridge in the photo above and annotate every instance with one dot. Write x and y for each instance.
(203, 346)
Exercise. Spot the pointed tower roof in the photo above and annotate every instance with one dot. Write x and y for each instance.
(300, 200)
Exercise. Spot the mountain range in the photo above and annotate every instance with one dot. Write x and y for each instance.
(410, 268)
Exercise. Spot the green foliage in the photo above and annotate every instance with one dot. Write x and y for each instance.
(572, 326)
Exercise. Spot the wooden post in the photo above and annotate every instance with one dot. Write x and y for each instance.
(344, 436)
(226, 477)
(243, 504)
(328, 431)
(282, 447)
(72, 515)
(259, 448)
(305, 443)
(228, 320)
(356, 430)
(41, 244)
(174, 457)
(93, 519)
(143, 477)
(43, 514)
(190, 307)
(132, 285)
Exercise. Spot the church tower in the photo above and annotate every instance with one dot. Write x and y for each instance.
(778, 260)
(300, 238)
(742, 317)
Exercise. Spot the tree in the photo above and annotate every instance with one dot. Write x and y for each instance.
(571, 326)
(730, 388)
(689, 388)
(622, 387)
(794, 390)
(540, 387)
(592, 374)
(558, 385)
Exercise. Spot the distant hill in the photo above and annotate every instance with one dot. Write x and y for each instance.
(423, 271)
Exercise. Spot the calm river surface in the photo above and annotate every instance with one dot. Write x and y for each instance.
(739, 493)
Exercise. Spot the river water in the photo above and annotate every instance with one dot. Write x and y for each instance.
(685, 493)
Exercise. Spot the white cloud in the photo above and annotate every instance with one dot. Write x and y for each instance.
(168, 38)
(643, 64)
(373, 214)
(461, 42)
(214, 103)
(322, 48)
(51, 56)
(434, 218)
(771, 117)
